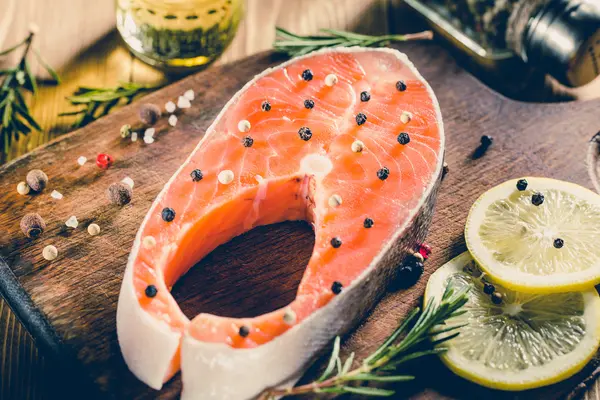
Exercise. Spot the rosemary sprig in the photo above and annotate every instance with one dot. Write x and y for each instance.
(97, 102)
(421, 340)
(297, 45)
(15, 115)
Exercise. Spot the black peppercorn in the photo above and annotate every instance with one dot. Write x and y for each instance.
(365, 96)
(403, 138)
(486, 140)
(151, 291)
(336, 287)
(307, 75)
(496, 298)
(247, 141)
(521, 184)
(168, 214)
(119, 193)
(537, 199)
(488, 288)
(361, 119)
(32, 225)
(400, 86)
(410, 272)
(149, 113)
(196, 175)
(244, 331)
(445, 170)
(305, 133)
(383, 173)
(37, 180)
(308, 103)
(336, 242)
(559, 243)
(368, 223)
(265, 106)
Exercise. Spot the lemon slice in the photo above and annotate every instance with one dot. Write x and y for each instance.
(521, 342)
(533, 243)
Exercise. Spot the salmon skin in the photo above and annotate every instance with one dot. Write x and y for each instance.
(350, 140)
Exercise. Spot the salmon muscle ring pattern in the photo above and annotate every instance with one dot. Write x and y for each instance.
(299, 158)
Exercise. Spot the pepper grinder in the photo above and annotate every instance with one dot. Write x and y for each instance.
(561, 37)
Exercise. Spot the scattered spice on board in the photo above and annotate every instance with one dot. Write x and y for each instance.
(425, 250)
(486, 141)
(125, 131)
(33, 225)
(189, 94)
(50, 253)
(93, 229)
(170, 107)
(23, 188)
(37, 180)
(56, 195)
(119, 193)
(173, 120)
(104, 161)
(183, 102)
(149, 114)
(81, 160)
(128, 181)
(72, 222)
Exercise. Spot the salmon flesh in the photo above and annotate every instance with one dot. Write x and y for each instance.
(350, 140)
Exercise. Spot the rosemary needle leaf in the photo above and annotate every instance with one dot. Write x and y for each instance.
(338, 364)
(380, 378)
(369, 391)
(26, 116)
(296, 45)
(382, 365)
(46, 66)
(332, 360)
(348, 364)
(30, 81)
(335, 389)
(13, 48)
(98, 102)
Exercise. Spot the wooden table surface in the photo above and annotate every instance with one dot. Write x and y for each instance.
(108, 62)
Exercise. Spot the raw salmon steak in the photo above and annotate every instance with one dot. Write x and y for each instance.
(350, 140)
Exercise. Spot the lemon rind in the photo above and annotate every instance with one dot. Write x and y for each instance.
(517, 280)
(457, 364)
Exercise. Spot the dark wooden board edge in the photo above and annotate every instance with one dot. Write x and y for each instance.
(65, 375)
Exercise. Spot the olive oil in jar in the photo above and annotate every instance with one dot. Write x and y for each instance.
(178, 34)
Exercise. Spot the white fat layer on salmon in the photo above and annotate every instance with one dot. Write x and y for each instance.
(220, 370)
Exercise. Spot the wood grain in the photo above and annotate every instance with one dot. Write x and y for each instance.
(107, 62)
(78, 291)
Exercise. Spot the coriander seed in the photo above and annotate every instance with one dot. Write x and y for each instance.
(119, 193)
(37, 180)
(50, 253)
(93, 229)
(23, 188)
(33, 225)
(149, 113)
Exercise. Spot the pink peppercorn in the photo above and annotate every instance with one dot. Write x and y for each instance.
(104, 161)
(425, 250)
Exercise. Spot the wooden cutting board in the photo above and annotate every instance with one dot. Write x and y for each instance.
(69, 304)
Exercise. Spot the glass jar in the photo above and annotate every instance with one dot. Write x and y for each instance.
(560, 37)
(178, 34)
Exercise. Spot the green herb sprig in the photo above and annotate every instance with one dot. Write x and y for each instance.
(15, 115)
(97, 102)
(296, 45)
(423, 339)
